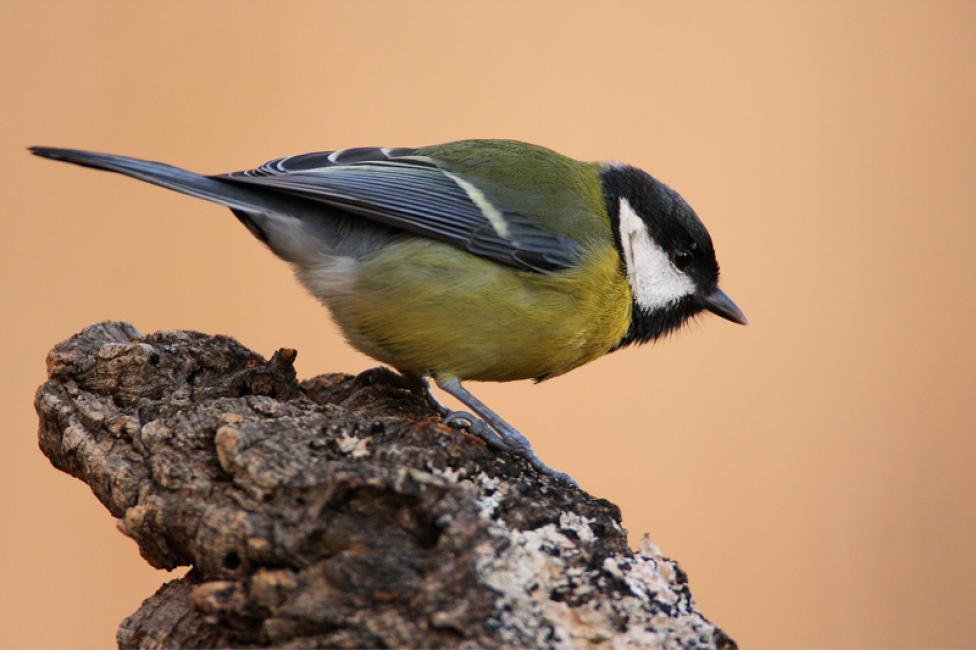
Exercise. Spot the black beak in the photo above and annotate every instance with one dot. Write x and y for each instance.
(720, 304)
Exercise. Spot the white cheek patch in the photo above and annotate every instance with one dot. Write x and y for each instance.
(653, 279)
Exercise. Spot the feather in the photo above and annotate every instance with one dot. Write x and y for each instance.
(393, 187)
(399, 189)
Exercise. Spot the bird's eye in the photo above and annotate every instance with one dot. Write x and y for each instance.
(681, 259)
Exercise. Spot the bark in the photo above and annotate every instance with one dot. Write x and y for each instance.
(338, 511)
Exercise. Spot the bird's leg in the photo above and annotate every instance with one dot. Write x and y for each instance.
(508, 435)
(459, 419)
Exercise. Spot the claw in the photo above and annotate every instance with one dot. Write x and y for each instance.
(561, 477)
(462, 420)
(476, 427)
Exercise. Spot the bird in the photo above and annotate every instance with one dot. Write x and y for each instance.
(473, 260)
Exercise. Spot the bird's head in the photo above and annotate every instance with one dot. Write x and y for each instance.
(666, 252)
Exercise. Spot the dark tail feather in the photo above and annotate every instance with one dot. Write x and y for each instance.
(204, 187)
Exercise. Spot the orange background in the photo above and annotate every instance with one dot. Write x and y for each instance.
(813, 472)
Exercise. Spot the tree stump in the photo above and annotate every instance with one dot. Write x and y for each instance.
(339, 511)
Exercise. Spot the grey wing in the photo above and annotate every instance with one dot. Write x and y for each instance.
(397, 188)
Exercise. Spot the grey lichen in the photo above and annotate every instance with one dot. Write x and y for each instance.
(339, 511)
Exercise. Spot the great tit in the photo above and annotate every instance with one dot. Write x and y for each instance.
(489, 260)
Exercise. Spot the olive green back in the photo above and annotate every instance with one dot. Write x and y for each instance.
(560, 194)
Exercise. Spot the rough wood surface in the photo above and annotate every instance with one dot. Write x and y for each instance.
(339, 511)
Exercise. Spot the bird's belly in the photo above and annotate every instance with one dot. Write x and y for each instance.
(422, 306)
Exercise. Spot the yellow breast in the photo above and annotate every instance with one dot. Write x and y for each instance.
(422, 306)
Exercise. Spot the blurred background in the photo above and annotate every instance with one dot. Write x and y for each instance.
(812, 472)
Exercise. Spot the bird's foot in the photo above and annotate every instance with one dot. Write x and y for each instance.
(476, 427)
(535, 461)
(494, 430)
(508, 439)
(463, 420)
(519, 444)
